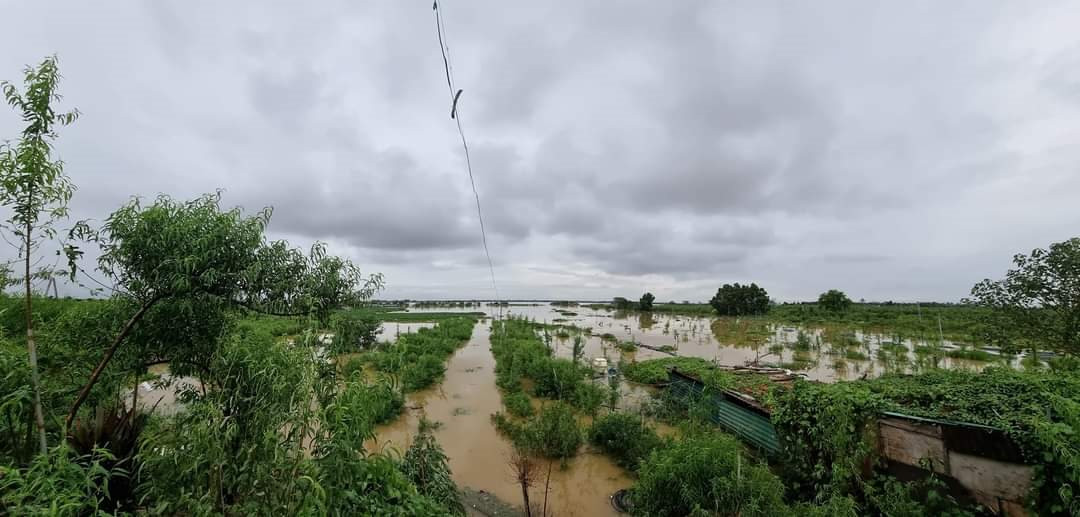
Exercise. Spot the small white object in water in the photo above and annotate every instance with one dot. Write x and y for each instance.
(599, 362)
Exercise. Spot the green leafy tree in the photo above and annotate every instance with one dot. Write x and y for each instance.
(622, 304)
(426, 465)
(834, 300)
(1037, 304)
(36, 190)
(740, 300)
(646, 302)
(578, 351)
(174, 252)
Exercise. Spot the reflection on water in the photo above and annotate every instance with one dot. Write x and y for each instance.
(391, 330)
(822, 353)
(467, 397)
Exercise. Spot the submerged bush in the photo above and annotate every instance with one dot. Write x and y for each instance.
(424, 372)
(706, 474)
(554, 432)
(354, 331)
(418, 357)
(425, 464)
(625, 437)
(518, 404)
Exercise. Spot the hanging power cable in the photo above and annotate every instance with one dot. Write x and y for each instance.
(455, 114)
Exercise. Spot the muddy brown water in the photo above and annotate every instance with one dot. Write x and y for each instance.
(463, 404)
(735, 342)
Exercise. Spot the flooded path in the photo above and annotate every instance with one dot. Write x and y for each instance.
(821, 353)
(478, 455)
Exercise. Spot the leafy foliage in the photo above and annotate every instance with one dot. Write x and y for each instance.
(825, 428)
(825, 434)
(36, 190)
(418, 357)
(624, 436)
(354, 331)
(834, 300)
(706, 474)
(518, 404)
(740, 300)
(554, 432)
(646, 302)
(426, 466)
(519, 353)
(655, 371)
(57, 483)
(1037, 304)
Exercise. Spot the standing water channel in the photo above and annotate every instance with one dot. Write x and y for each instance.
(463, 404)
(464, 401)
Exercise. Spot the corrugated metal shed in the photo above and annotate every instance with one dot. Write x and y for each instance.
(730, 411)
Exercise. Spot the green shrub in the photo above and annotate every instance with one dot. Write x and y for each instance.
(706, 474)
(555, 432)
(354, 366)
(425, 464)
(57, 483)
(824, 429)
(424, 372)
(655, 371)
(518, 404)
(589, 397)
(354, 331)
(625, 437)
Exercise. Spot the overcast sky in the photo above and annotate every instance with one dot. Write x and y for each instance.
(895, 150)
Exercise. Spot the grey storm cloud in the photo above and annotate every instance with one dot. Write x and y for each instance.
(896, 151)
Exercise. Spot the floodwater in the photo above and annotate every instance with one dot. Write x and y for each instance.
(391, 330)
(822, 353)
(464, 402)
(160, 395)
(463, 405)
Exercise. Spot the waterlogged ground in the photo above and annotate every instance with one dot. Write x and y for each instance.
(464, 402)
(463, 405)
(821, 353)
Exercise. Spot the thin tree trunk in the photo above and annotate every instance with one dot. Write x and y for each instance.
(135, 395)
(85, 392)
(525, 496)
(547, 488)
(31, 349)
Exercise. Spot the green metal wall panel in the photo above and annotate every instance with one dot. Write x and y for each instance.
(749, 425)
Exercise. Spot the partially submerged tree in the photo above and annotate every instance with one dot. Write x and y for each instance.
(525, 471)
(1037, 304)
(174, 252)
(740, 300)
(37, 191)
(834, 300)
(622, 304)
(646, 302)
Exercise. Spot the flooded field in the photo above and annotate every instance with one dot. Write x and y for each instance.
(391, 330)
(821, 353)
(464, 402)
(463, 405)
